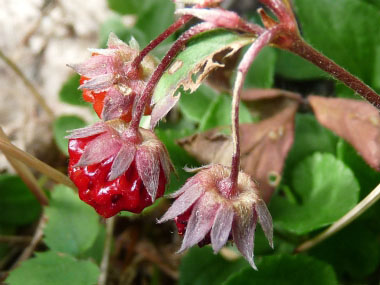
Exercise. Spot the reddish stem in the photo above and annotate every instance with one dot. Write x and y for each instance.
(263, 40)
(173, 28)
(303, 49)
(177, 46)
(282, 12)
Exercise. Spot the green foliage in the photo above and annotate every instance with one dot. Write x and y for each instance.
(310, 137)
(286, 270)
(323, 177)
(261, 73)
(95, 252)
(201, 266)
(18, 206)
(160, 14)
(179, 156)
(368, 178)
(325, 189)
(194, 106)
(54, 268)
(218, 113)
(129, 6)
(70, 93)
(348, 35)
(198, 49)
(115, 25)
(60, 127)
(291, 66)
(355, 251)
(72, 225)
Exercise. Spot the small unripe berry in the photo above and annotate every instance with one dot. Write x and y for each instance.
(109, 81)
(208, 210)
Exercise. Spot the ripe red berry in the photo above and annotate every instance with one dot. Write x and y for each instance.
(116, 174)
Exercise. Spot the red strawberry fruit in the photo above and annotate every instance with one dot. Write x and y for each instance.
(116, 171)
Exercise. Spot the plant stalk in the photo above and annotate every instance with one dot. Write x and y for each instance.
(244, 65)
(304, 50)
(173, 28)
(110, 225)
(177, 46)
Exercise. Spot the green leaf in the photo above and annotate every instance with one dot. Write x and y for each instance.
(18, 205)
(60, 127)
(156, 18)
(72, 225)
(354, 251)
(129, 6)
(348, 35)
(5, 247)
(200, 266)
(292, 66)
(376, 3)
(194, 106)
(367, 177)
(310, 137)
(199, 49)
(325, 189)
(95, 252)
(70, 93)
(261, 72)
(115, 25)
(179, 156)
(219, 113)
(286, 270)
(54, 268)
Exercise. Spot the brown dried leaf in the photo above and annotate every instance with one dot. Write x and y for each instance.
(220, 78)
(358, 122)
(264, 147)
(267, 102)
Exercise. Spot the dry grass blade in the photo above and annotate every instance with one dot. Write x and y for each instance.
(26, 175)
(28, 159)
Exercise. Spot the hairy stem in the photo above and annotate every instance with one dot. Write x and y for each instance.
(359, 209)
(110, 224)
(263, 40)
(28, 159)
(39, 98)
(303, 49)
(177, 46)
(173, 28)
(26, 175)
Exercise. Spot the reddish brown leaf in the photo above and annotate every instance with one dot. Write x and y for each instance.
(268, 102)
(220, 77)
(358, 122)
(264, 147)
(211, 146)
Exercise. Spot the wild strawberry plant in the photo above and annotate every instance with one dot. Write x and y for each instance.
(254, 146)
